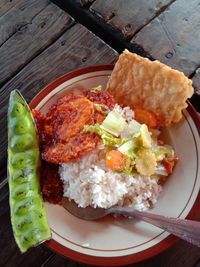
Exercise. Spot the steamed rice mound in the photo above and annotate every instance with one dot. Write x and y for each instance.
(90, 183)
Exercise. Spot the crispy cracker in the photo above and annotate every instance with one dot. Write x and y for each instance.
(139, 82)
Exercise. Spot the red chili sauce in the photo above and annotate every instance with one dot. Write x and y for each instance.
(61, 137)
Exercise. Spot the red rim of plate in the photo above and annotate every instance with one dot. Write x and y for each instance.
(121, 260)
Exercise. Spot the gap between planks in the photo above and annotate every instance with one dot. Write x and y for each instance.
(156, 15)
(103, 29)
(121, 16)
(11, 22)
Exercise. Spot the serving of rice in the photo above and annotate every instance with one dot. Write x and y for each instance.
(89, 182)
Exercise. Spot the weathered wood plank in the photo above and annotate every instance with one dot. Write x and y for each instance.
(5, 5)
(174, 36)
(128, 15)
(98, 26)
(196, 81)
(180, 255)
(31, 39)
(19, 16)
(3, 193)
(57, 260)
(76, 48)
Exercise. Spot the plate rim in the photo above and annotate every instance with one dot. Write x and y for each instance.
(117, 260)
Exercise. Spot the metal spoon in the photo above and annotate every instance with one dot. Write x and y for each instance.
(185, 229)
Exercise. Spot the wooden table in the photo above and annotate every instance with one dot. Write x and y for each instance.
(39, 42)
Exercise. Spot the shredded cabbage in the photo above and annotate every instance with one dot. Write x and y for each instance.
(106, 137)
(132, 130)
(129, 149)
(114, 123)
(134, 140)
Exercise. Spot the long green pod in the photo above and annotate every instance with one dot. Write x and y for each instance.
(28, 215)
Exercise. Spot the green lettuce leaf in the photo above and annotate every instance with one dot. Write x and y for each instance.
(114, 123)
(129, 149)
(107, 138)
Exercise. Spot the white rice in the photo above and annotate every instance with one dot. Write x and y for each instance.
(126, 112)
(89, 182)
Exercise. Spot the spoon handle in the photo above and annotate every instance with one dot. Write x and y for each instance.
(185, 229)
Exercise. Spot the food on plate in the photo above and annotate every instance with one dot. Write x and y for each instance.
(106, 143)
(105, 156)
(140, 83)
(99, 147)
(28, 215)
(60, 130)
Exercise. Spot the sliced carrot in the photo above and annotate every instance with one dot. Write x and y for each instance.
(145, 116)
(116, 160)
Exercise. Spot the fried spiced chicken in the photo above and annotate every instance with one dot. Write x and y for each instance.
(60, 130)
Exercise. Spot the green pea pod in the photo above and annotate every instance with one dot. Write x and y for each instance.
(28, 215)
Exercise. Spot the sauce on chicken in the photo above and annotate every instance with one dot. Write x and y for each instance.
(61, 136)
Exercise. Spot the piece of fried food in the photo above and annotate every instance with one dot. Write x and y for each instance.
(151, 85)
(60, 130)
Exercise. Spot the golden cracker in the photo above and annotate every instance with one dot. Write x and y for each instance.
(151, 85)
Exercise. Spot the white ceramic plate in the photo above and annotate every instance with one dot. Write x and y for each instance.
(116, 242)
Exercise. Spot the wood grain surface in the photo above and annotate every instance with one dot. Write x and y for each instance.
(39, 43)
(19, 16)
(126, 16)
(5, 5)
(153, 39)
(29, 40)
(76, 48)
(174, 36)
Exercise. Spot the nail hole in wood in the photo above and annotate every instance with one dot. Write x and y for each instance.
(43, 24)
(22, 8)
(169, 55)
(63, 43)
(151, 10)
(128, 28)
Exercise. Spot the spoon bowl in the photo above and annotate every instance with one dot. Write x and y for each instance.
(185, 229)
(87, 213)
